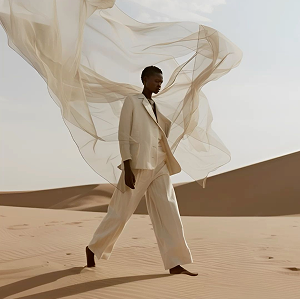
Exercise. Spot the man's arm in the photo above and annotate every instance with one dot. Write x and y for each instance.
(124, 140)
(124, 129)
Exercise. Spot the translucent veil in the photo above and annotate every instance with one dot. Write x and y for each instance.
(91, 55)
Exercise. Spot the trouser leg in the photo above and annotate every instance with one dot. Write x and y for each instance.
(120, 209)
(164, 214)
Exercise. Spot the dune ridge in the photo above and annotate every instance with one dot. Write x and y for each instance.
(268, 188)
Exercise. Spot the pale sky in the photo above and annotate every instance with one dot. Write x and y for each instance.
(255, 106)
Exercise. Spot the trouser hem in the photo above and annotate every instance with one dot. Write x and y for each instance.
(98, 254)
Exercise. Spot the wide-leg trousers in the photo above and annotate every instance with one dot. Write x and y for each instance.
(163, 211)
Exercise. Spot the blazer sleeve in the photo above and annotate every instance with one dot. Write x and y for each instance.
(125, 128)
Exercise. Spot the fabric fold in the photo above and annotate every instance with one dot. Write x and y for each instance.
(91, 55)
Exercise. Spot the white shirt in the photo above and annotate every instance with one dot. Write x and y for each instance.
(151, 102)
(160, 132)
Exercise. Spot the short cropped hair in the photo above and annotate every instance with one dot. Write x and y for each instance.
(149, 71)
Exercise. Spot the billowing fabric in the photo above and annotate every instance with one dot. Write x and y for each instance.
(91, 55)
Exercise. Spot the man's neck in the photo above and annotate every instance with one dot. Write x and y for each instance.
(147, 94)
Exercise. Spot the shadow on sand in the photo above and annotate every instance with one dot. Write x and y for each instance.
(43, 279)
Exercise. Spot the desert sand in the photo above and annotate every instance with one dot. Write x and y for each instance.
(243, 240)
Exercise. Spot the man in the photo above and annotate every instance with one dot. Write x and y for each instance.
(147, 163)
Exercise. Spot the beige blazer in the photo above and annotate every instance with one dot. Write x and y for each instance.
(138, 136)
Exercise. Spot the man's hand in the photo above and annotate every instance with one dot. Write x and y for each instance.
(129, 176)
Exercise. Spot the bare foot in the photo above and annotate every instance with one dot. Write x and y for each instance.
(90, 262)
(179, 270)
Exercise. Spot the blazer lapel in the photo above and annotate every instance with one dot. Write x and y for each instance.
(161, 121)
(148, 107)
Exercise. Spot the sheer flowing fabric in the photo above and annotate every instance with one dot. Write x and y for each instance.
(91, 55)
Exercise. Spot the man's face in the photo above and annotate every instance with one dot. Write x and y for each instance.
(154, 82)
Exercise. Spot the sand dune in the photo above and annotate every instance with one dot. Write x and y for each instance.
(42, 248)
(74, 198)
(269, 188)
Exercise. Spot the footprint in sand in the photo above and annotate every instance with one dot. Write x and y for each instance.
(293, 269)
(18, 226)
(51, 223)
(135, 238)
(76, 222)
(264, 257)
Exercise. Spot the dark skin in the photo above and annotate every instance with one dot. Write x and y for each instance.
(152, 84)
